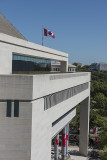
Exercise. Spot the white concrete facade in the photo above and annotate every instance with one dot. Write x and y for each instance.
(10, 45)
(28, 137)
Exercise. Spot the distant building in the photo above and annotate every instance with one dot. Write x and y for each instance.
(71, 68)
(55, 67)
(99, 67)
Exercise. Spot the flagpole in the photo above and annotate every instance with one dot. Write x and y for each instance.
(42, 35)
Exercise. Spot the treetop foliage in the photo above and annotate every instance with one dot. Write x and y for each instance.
(98, 107)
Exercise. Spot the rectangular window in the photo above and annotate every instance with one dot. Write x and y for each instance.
(27, 63)
(8, 114)
(16, 108)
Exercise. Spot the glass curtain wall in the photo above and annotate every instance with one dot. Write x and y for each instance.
(26, 63)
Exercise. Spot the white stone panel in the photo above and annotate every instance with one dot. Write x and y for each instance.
(41, 132)
(5, 61)
(15, 87)
(15, 134)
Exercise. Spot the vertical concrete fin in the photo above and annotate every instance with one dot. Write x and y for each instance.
(84, 126)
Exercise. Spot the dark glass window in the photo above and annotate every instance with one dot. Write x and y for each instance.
(16, 108)
(25, 63)
(8, 114)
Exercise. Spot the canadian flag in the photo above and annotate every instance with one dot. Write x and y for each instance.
(48, 33)
(94, 131)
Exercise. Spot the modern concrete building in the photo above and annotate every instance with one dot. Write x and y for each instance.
(34, 108)
(55, 67)
(99, 67)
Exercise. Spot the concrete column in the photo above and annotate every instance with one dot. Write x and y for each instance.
(56, 146)
(67, 138)
(84, 126)
(64, 66)
(64, 143)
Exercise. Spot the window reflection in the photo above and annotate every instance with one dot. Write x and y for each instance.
(26, 63)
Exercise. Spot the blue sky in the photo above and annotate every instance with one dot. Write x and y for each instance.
(80, 26)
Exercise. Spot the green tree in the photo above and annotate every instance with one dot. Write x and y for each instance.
(103, 143)
(101, 101)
